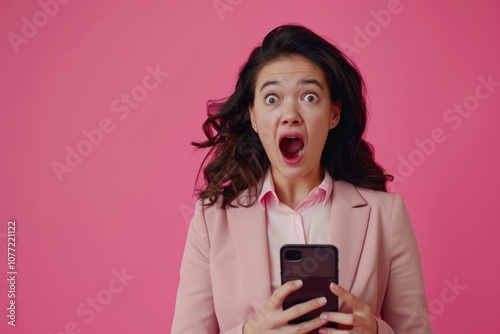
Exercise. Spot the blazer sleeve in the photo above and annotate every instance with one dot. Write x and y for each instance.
(404, 309)
(194, 308)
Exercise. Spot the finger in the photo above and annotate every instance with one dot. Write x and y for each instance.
(350, 321)
(306, 326)
(301, 309)
(280, 293)
(333, 331)
(351, 300)
(347, 319)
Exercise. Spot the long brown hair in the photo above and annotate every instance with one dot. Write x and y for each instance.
(237, 161)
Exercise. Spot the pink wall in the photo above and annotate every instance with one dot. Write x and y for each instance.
(119, 206)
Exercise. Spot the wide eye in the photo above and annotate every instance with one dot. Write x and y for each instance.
(271, 99)
(310, 97)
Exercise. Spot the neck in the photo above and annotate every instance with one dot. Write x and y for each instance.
(293, 191)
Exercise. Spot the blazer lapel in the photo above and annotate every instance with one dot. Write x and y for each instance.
(249, 232)
(349, 222)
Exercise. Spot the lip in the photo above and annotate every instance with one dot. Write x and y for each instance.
(296, 160)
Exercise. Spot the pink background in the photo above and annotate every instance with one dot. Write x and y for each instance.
(125, 206)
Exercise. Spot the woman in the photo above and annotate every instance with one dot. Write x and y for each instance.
(288, 165)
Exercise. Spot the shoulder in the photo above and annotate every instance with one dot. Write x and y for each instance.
(371, 197)
(210, 214)
(384, 205)
(206, 211)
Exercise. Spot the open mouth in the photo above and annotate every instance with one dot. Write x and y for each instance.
(291, 147)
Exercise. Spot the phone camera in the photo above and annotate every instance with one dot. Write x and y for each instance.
(293, 255)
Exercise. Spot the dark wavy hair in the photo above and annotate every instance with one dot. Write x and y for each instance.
(237, 161)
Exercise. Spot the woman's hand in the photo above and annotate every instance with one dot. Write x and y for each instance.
(360, 321)
(271, 318)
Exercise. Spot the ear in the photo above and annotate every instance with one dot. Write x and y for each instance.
(335, 114)
(252, 119)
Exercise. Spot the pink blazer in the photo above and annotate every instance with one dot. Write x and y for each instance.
(225, 269)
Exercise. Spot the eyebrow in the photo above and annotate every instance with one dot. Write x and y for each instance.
(270, 83)
(301, 83)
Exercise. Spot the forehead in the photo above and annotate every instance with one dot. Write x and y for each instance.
(290, 70)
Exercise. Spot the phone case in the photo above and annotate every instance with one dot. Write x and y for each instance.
(317, 267)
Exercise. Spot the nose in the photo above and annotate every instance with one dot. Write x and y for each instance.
(291, 115)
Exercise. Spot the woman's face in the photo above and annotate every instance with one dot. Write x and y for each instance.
(292, 114)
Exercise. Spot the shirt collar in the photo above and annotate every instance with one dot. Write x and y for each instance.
(268, 188)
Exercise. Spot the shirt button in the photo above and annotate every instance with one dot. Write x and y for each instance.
(293, 215)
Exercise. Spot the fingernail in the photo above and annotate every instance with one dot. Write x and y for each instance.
(323, 316)
(322, 331)
(334, 286)
(322, 301)
(298, 282)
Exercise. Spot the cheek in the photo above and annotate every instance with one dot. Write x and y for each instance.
(266, 136)
(266, 126)
(319, 131)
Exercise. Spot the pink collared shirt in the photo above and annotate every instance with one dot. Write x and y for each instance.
(309, 223)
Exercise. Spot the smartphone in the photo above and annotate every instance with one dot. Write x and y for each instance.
(317, 267)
